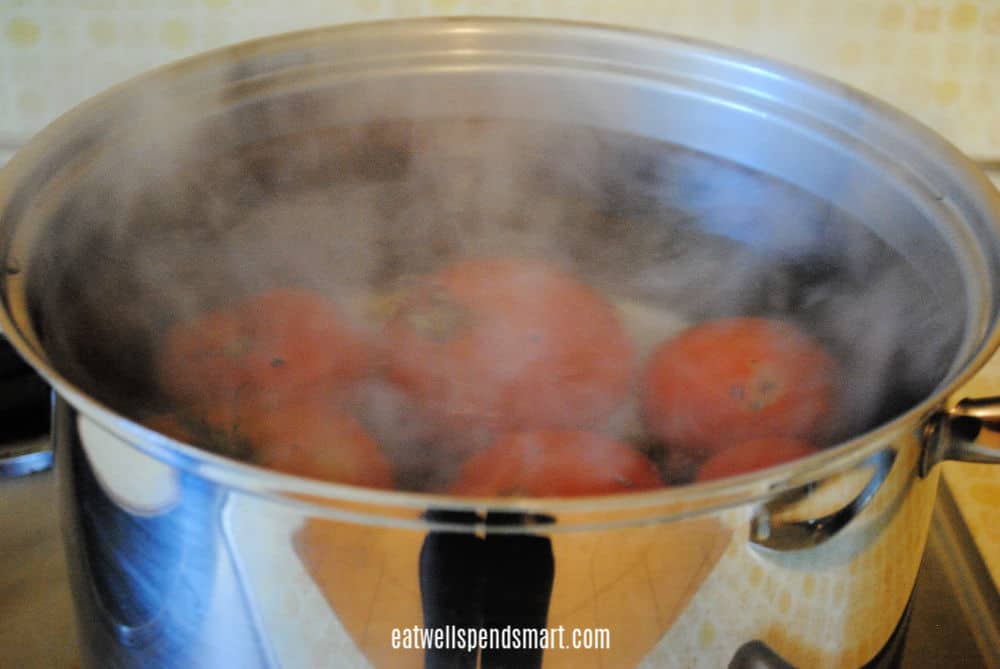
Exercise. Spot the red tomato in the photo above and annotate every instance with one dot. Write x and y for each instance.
(556, 463)
(232, 415)
(510, 344)
(316, 440)
(272, 343)
(171, 425)
(196, 429)
(752, 455)
(733, 380)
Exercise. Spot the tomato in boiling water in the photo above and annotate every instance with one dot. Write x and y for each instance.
(509, 344)
(753, 455)
(270, 344)
(733, 380)
(317, 440)
(556, 463)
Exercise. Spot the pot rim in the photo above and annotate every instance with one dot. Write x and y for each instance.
(674, 501)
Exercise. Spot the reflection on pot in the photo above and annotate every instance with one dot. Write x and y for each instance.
(150, 585)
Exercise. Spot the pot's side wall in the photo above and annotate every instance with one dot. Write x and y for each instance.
(151, 583)
(173, 570)
(835, 605)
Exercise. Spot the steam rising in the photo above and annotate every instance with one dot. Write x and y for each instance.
(193, 216)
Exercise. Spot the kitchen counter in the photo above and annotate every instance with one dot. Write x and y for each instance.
(36, 628)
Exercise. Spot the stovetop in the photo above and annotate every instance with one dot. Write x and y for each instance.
(955, 621)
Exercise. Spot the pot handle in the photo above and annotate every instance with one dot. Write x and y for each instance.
(795, 535)
(956, 433)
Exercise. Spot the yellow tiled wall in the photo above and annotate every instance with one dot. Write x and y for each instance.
(939, 60)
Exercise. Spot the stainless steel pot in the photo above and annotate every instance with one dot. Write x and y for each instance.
(182, 558)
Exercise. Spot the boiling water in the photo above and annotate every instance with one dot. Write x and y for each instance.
(671, 236)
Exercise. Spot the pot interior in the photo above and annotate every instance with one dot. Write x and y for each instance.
(677, 206)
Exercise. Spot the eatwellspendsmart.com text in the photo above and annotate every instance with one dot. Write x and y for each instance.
(452, 637)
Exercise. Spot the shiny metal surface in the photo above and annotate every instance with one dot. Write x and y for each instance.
(152, 582)
(172, 570)
(182, 558)
(23, 458)
(955, 622)
(797, 535)
(952, 434)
